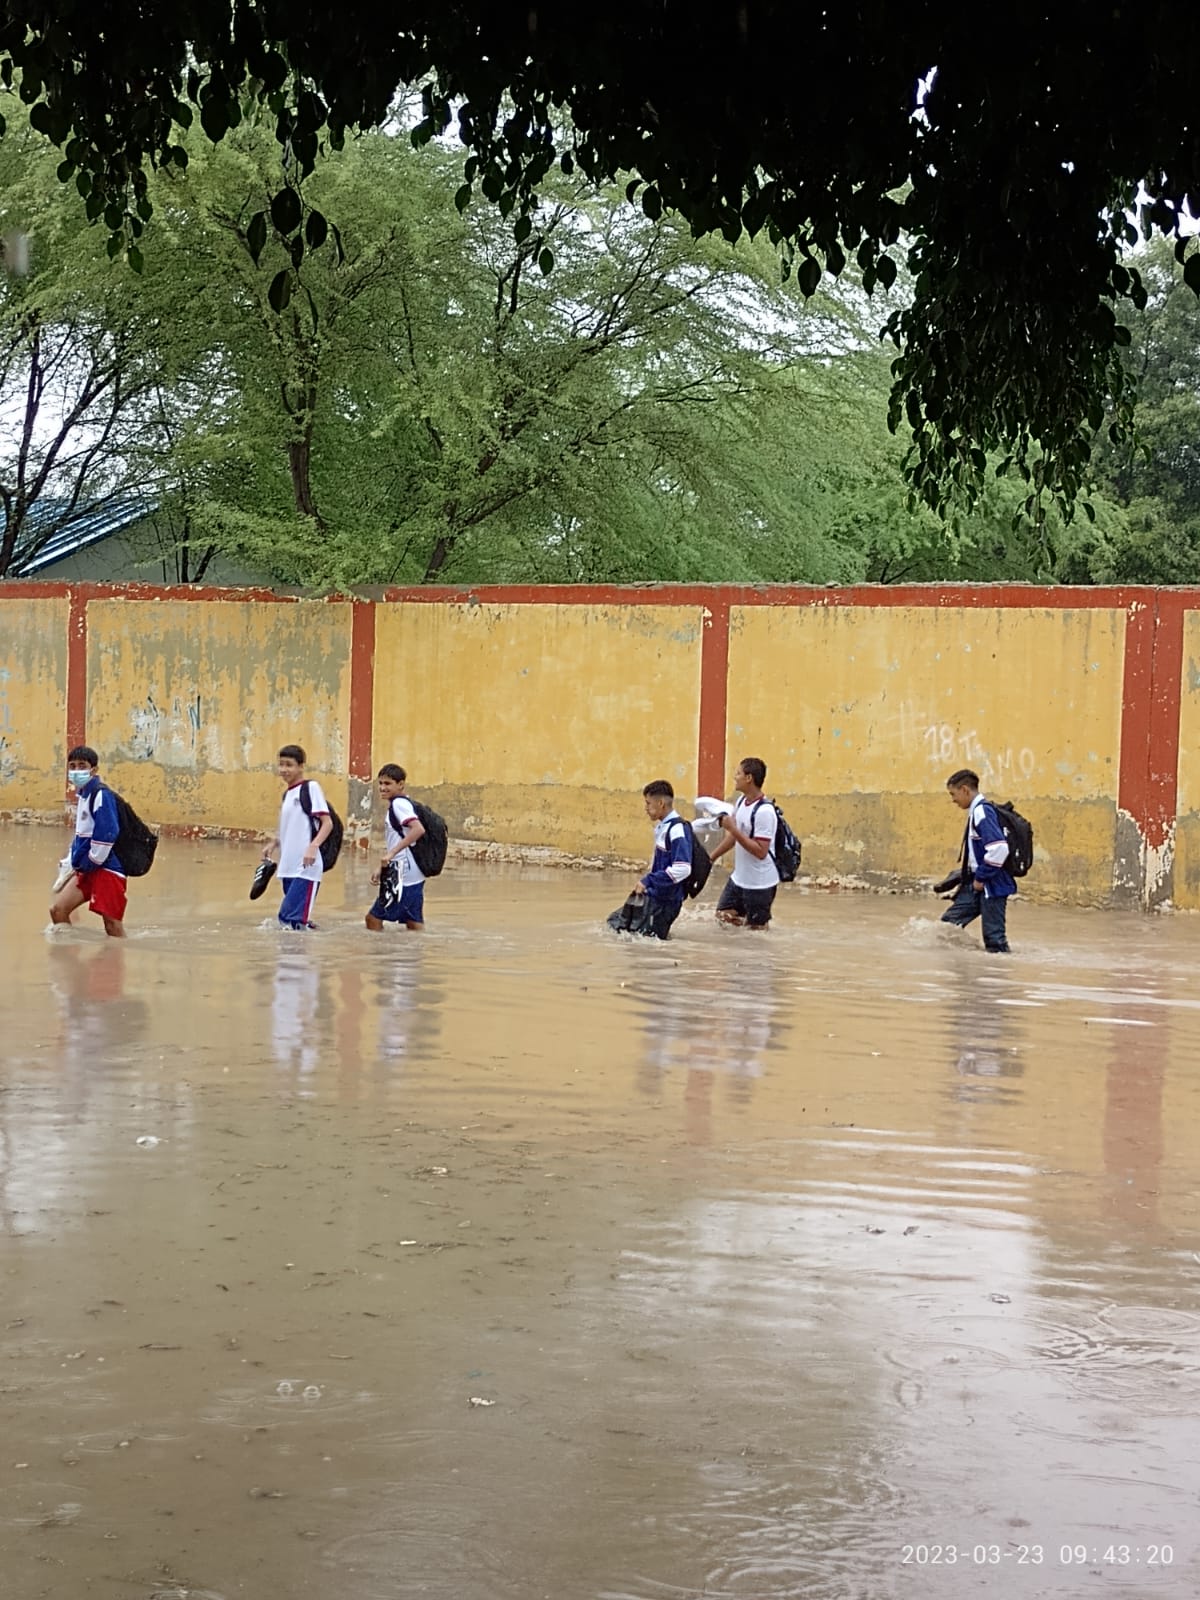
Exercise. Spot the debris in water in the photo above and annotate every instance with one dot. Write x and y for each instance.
(478, 1400)
(147, 1141)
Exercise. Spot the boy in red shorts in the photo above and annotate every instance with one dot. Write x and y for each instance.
(99, 880)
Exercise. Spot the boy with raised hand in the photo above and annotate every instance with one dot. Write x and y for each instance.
(986, 882)
(99, 878)
(401, 895)
(658, 896)
(298, 841)
(750, 831)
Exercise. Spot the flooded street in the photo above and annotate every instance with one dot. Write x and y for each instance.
(517, 1260)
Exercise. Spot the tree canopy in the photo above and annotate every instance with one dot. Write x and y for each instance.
(1001, 153)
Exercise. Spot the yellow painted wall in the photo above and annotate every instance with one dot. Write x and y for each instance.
(33, 705)
(862, 714)
(1187, 831)
(189, 703)
(540, 724)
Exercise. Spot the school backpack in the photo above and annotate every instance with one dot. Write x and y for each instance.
(1019, 833)
(331, 845)
(701, 863)
(135, 843)
(429, 852)
(788, 849)
(1017, 830)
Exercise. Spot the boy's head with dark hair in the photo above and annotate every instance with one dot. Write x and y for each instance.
(292, 761)
(390, 781)
(754, 769)
(660, 799)
(84, 753)
(963, 786)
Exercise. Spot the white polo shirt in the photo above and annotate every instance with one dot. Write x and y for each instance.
(748, 871)
(296, 832)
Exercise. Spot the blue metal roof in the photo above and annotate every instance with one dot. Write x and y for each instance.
(77, 532)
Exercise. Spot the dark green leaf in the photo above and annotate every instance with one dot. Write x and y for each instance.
(567, 163)
(522, 228)
(136, 260)
(66, 171)
(286, 210)
(214, 119)
(462, 198)
(316, 230)
(546, 261)
(280, 292)
(1191, 272)
(808, 276)
(652, 203)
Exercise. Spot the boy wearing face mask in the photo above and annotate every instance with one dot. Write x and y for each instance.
(99, 880)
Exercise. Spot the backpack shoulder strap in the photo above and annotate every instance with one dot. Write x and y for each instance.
(305, 798)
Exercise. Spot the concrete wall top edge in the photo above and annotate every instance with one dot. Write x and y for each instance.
(947, 596)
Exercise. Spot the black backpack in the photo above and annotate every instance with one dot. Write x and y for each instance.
(331, 845)
(135, 843)
(701, 863)
(788, 849)
(1019, 833)
(429, 852)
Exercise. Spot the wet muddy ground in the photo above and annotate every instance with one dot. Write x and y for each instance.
(516, 1260)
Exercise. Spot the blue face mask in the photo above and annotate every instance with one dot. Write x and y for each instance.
(80, 775)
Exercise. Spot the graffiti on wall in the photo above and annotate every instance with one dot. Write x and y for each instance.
(165, 732)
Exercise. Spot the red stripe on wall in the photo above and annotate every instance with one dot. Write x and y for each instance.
(714, 693)
(1151, 704)
(77, 673)
(1166, 697)
(362, 687)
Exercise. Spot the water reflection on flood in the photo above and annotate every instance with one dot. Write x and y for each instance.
(518, 1260)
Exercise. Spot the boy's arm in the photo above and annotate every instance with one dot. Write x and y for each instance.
(105, 827)
(318, 838)
(993, 851)
(759, 848)
(414, 829)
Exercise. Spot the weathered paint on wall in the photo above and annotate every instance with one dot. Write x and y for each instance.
(189, 703)
(539, 724)
(33, 704)
(533, 716)
(862, 714)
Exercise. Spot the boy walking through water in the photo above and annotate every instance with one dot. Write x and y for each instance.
(747, 898)
(986, 883)
(299, 845)
(99, 879)
(401, 895)
(658, 895)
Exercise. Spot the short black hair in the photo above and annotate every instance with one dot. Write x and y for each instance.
(293, 752)
(396, 773)
(84, 752)
(957, 779)
(660, 788)
(755, 770)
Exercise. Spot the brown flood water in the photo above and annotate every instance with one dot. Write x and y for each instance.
(842, 1263)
